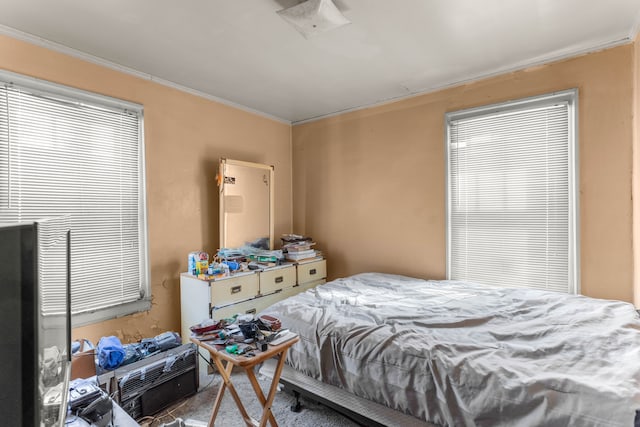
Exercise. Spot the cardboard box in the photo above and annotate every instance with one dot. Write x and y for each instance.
(83, 362)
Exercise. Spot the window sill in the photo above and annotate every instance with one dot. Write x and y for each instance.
(87, 318)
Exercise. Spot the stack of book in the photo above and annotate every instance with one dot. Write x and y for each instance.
(299, 248)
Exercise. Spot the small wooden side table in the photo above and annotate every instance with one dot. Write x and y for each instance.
(219, 355)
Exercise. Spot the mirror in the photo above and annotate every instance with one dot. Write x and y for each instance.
(246, 203)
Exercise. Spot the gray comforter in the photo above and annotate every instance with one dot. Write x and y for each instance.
(459, 354)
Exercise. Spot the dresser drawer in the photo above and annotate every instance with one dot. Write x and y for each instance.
(312, 271)
(278, 278)
(228, 290)
(301, 288)
(246, 307)
(310, 285)
(253, 306)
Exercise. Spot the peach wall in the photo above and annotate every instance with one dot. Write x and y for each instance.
(185, 135)
(369, 185)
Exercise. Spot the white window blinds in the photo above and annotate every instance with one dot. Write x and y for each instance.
(79, 157)
(53, 262)
(511, 207)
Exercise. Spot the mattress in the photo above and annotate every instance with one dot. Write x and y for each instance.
(464, 354)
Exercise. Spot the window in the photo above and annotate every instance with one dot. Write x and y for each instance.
(511, 198)
(64, 152)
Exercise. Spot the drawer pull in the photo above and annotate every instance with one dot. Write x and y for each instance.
(279, 279)
(251, 311)
(312, 271)
(236, 289)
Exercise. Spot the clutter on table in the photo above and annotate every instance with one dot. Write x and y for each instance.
(252, 256)
(271, 321)
(198, 262)
(243, 334)
(299, 248)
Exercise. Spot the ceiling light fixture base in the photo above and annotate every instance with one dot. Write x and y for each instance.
(314, 17)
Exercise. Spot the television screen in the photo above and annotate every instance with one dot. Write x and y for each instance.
(34, 307)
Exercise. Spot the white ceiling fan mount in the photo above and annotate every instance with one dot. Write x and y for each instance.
(314, 17)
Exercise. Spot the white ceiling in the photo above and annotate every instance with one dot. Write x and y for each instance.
(242, 52)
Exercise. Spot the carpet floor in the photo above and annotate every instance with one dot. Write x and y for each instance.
(198, 407)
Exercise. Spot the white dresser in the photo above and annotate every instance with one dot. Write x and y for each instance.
(247, 292)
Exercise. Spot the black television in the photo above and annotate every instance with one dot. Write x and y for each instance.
(36, 322)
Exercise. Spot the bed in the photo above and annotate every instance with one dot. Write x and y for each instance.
(457, 354)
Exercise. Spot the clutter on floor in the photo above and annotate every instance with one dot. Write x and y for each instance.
(142, 378)
(87, 360)
(91, 406)
(89, 402)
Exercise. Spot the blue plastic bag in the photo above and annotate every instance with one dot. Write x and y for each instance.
(110, 352)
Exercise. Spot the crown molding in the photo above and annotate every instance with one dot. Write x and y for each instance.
(556, 56)
(518, 66)
(633, 31)
(57, 47)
